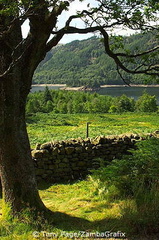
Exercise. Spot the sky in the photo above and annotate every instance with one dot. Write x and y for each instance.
(75, 6)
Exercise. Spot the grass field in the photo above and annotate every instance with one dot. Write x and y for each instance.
(44, 127)
(77, 209)
(77, 206)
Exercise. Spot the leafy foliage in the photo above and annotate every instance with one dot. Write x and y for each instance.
(60, 101)
(134, 171)
(146, 103)
(135, 179)
(122, 104)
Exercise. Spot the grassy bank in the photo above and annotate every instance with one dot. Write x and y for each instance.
(44, 127)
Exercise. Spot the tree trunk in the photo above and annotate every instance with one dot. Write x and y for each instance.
(21, 58)
(19, 187)
(16, 165)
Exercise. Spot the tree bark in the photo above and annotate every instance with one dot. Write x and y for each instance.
(18, 60)
(19, 188)
(16, 165)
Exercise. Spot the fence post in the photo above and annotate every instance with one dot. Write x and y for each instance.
(87, 129)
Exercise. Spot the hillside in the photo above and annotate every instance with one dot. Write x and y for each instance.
(85, 63)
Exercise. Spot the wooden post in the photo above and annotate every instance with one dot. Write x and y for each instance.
(87, 130)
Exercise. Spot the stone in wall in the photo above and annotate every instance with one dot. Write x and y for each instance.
(73, 159)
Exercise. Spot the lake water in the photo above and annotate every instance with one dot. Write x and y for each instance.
(133, 92)
(37, 87)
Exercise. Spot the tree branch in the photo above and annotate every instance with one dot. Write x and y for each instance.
(147, 71)
(68, 30)
(137, 55)
(48, 17)
(115, 56)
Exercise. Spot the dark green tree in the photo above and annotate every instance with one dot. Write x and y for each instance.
(47, 95)
(49, 106)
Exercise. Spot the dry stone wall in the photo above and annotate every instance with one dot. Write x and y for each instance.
(73, 159)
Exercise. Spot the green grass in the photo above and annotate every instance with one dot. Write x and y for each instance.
(76, 208)
(44, 127)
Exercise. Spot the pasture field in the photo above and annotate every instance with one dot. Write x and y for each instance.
(84, 206)
(45, 127)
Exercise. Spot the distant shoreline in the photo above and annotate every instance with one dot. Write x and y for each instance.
(82, 88)
(49, 85)
(131, 85)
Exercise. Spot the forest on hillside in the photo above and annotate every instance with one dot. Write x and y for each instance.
(85, 63)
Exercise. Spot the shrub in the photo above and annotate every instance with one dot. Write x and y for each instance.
(122, 104)
(146, 103)
(140, 168)
(136, 179)
(140, 213)
(113, 109)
